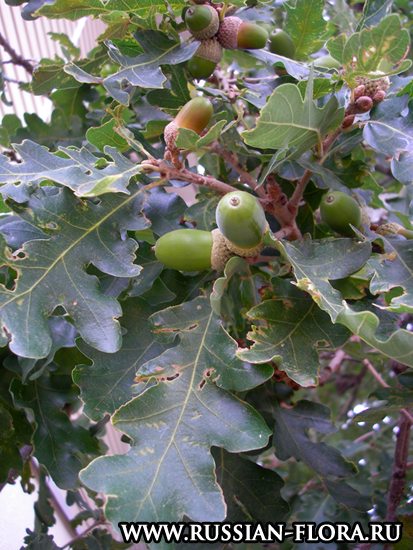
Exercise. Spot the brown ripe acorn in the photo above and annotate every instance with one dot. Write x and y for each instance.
(194, 115)
(202, 21)
(235, 33)
(205, 59)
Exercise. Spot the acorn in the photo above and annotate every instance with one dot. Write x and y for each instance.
(205, 59)
(193, 250)
(202, 21)
(339, 210)
(194, 115)
(327, 62)
(281, 44)
(235, 33)
(241, 219)
(364, 103)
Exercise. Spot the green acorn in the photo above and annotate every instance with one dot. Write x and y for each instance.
(235, 33)
(194, 115)
(192, 250)
(281, 44)
(338, 211)
(241, 219)
(327, 62)
(202, 21)
(205, 59)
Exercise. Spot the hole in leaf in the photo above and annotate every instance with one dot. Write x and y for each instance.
(202, 384)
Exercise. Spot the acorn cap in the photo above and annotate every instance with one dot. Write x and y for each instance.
(202, 21)
(228, 32)
(220, 252)
(209, 49)
(170, 134)
(245, 252)
(393, 228)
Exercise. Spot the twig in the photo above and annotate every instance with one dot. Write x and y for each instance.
(364, 437)
(333, 366)
(380, 380)
(297, 196)
(375, 374)
(350, 402)
(98, 522)
(233, 161)
(16, 59)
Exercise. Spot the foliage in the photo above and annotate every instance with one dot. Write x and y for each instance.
(237, 392)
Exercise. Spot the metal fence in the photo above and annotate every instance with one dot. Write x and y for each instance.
(30, 39)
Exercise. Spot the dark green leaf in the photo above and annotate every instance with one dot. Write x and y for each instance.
(291, 438)
(59, 445)
(51, 272)
(192, 413)
(106, 385)
(15, 431)
(294, 330)
(251, 492)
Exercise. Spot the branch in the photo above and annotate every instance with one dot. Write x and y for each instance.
(16, 59)
(398, 477)
(181, 174)
(332, 367)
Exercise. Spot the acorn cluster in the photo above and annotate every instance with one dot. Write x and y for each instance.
(241, 225)
(369, 91)
(204, 23)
